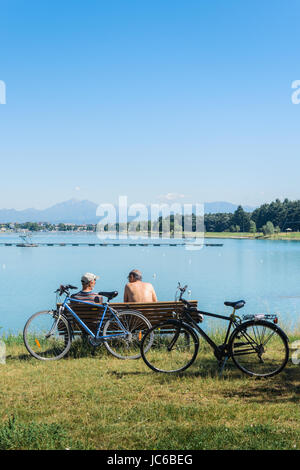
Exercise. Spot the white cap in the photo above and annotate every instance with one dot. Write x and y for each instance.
(88, 277)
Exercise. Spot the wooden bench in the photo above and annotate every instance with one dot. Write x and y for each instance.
(154, 311)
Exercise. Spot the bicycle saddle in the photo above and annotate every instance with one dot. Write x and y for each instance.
(109, 295)
(236, 305)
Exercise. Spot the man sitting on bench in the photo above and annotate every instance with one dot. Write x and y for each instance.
(138, 291)
(88, 281)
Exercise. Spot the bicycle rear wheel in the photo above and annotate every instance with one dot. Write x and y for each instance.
(259, 348)
(46, 336)
(121, 344)
(174, 347)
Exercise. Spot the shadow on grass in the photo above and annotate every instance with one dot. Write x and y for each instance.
(207, 369)
(282, 388)
(20, 357)
(79, 349)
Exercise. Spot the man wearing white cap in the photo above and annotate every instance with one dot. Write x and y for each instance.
(88, 281)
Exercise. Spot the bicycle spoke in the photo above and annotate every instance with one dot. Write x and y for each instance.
(264, 351)
(173, 348)
(268, 339)
(249, 340)
(126, 345)
(47, 337)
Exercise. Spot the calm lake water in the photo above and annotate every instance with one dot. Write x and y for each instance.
(264, 273)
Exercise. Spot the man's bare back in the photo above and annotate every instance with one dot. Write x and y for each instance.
(138, 291)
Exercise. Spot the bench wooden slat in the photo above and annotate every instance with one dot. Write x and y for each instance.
(155, 312)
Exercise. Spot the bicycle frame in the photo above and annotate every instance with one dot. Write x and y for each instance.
(105, 307)
(219, 350)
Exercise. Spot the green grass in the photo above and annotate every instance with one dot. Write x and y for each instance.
(260, 236)
(231, 235)
(286, 236)
(99, 402)
(15, 434)
(257, 235)
(245, 235)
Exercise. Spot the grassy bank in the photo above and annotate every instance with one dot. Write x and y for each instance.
(259, 236)
(231, 235)
(99, 402)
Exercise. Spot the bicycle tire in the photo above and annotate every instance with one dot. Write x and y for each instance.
(184, 349)
(259, 348)
(35, 332)
(124, 347)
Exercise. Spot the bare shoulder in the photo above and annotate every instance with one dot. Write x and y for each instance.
(148, 284)
(127, 286)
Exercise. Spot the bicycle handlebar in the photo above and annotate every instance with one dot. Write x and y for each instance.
(64, 289)
(188, 304)
(182, 291)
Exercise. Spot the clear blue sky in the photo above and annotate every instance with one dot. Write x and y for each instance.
(146, 98)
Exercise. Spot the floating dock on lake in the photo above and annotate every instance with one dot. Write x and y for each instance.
(28, 245)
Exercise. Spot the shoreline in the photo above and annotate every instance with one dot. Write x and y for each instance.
(291, 236)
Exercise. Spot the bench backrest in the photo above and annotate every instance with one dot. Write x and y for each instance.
(154, 311)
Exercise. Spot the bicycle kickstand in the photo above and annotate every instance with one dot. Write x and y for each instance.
(222, 365)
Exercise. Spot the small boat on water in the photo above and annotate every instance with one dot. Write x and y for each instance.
(27, 242)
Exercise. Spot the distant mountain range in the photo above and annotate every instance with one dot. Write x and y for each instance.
(84, 212)
(216, 207)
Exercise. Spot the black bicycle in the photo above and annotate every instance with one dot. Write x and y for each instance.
(257, 346)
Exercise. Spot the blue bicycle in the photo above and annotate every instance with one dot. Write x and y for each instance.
(48, 334)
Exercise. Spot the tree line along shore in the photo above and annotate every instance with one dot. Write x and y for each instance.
(275, 220)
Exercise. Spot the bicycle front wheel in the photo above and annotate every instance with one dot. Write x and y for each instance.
(46, 336)
(174, 347)
(259, 348)
(123, 334)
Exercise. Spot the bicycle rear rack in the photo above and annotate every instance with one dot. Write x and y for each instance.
(261, 316)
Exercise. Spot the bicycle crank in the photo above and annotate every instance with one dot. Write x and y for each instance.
(95, 342)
